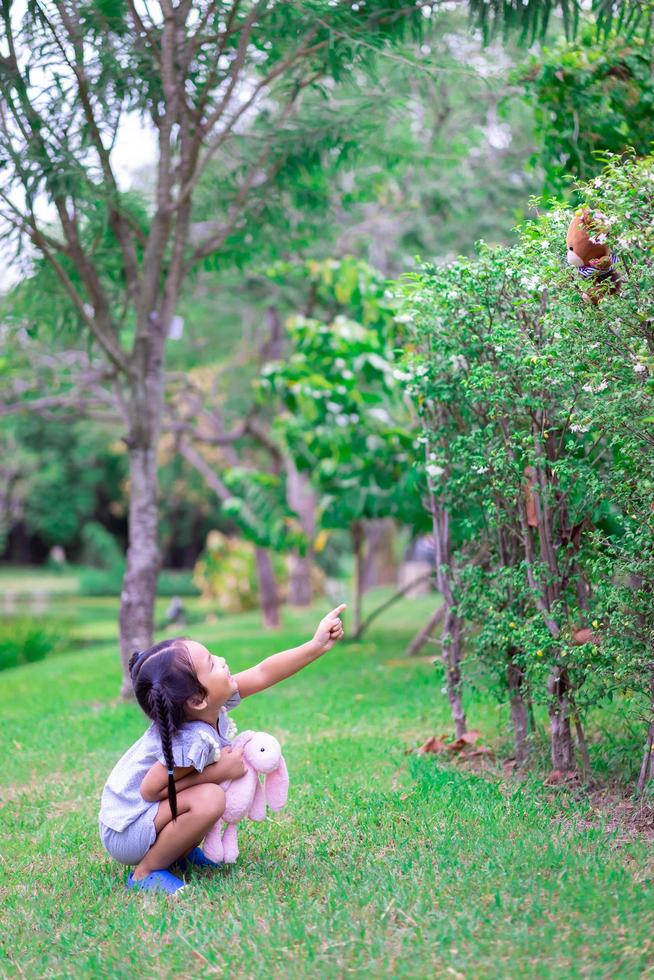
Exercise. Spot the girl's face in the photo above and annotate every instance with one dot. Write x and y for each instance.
(213, 673)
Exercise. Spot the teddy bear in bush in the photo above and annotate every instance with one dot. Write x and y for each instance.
(590, 255)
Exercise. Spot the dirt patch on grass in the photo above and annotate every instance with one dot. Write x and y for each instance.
(586, 804)
(617, 813)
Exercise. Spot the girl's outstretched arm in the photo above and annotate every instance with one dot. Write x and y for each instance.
(274, 669)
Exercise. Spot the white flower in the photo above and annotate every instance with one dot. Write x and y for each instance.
(600, 386)
(401, 375)
(341, 420)
(480, 469)
(639, 368)
(421, 370)
(380, 414)
(434, 470)
(578, 427)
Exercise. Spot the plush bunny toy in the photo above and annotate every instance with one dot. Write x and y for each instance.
(590, 255)
(247, 797)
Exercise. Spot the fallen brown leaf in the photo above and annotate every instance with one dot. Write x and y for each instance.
(468, 738)
(556, 776)
(471, 736)
(432, 745)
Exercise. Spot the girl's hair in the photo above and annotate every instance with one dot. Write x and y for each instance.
(164, 679)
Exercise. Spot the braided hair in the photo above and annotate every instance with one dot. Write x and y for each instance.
(164, 679)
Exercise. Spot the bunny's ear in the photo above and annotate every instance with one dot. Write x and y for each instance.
(277, 786)
(258, 805)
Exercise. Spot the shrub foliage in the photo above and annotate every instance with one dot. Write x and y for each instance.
(538, 427)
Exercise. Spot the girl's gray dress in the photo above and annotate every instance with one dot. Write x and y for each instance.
(126, 819)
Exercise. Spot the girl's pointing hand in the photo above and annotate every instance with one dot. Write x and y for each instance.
(330, 629)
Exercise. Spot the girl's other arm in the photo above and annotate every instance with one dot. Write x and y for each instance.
(155, 782)
(282, 665)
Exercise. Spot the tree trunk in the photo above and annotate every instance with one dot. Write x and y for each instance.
(424, 634)
(358, 548)
(559, 715)
(452, 636)
(583, 745)
(144, 412)
(647, 765)
(302, 499)
(268, 595)
(519, 713)
(143, 560)
(380, 565)
(452, 656)
(299, 580)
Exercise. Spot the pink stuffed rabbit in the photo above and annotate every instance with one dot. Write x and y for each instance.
(247, 797)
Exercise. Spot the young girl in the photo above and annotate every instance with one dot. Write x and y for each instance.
(163, 795)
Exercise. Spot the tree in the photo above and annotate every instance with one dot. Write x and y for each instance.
(343, 423)
(213, 80)
(588, 98)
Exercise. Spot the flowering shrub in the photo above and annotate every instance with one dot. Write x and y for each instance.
(537, 420)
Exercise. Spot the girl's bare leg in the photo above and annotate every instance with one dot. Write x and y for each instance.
(198, 808)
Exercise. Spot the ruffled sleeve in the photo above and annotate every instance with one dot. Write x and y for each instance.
(194, 746)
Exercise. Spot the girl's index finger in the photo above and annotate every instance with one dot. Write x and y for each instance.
(337, 611)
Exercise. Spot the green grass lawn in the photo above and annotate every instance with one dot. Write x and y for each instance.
(382, 864)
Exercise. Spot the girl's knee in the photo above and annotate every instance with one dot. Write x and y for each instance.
(210, 798)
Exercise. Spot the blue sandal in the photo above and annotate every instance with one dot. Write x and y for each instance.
(197, 859)
(157, 881)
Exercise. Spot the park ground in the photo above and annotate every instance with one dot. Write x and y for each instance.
(383, 864)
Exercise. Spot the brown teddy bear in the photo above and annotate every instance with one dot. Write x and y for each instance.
(590, 255)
